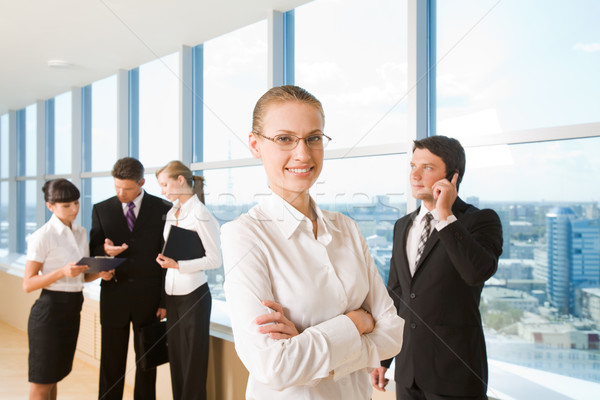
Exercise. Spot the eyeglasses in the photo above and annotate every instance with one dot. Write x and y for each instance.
(289, 142)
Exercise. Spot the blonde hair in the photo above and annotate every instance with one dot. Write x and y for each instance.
(278, 95)
(176, 168)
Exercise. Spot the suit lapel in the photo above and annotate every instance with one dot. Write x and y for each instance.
(145, 211)
(117, 209)
(458, 209)
(429, 245)
(404, 228)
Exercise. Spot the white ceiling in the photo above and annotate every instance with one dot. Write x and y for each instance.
(99, 37)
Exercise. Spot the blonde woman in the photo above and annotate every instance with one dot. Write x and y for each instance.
(188, 298)
(310, 313)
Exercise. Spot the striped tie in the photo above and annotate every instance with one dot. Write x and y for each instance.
(130, 216)
(424, 236)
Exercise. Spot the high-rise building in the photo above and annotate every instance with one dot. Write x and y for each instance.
(573, 257)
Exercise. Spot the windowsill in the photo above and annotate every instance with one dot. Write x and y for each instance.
(220, 324)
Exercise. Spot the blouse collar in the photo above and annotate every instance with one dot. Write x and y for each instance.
(289, 219)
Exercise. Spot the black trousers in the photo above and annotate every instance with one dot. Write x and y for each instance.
(416, 393)
(188, 322)
(113, 362)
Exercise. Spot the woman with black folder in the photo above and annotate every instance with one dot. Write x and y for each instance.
(188, 299)
(52, 253)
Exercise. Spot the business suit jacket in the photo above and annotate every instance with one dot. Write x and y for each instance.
(137, 290)
(444, 348)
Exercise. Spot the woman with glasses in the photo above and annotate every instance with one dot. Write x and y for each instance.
(52, 253)
(309, 311)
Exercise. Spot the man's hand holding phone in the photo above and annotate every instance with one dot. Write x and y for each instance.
(445, 194)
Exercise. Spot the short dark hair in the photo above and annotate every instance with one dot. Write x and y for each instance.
(60, 191)
(128, 168)
(449, 150)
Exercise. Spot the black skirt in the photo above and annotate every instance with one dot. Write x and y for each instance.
(53, 328)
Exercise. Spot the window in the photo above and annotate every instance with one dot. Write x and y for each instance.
(30, 141)
(228, 193)
(3, 216)
(500, 69)
(4, 150)
(104, 124)
(356, 65)
(235, 76)
(159, 111)
(62, 133)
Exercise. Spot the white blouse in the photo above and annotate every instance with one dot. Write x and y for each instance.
(55, 245)
(196, 217)
(271, 253)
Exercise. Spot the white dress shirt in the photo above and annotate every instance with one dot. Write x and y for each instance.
(193, 215)
(138, 203)
(55, 245)
(414, 233)
(271, 253)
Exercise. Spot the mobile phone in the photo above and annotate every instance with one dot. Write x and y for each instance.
(451, 175)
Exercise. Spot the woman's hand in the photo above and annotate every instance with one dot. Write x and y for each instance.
(72, 270)
(378, 379)
(167, 262)
(363, 320)
(275, 324)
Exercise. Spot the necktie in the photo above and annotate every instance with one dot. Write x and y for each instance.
(130, 216)
(424, 236)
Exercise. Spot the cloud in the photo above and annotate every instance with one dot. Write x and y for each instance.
(587, 47)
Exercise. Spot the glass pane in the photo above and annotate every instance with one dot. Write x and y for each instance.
(33, 194)
(104, 124)
(354, 60)
(501, 69)
(375, 204)
(3, 215)
(547, 206)
(235, 76)
(31, 140)
(62, 133)
(102, 188)
(159, 111)
(4, 146)
(229, 193)
(151, 185)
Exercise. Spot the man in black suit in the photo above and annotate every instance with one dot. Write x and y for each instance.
(437, 272)
(128, 225)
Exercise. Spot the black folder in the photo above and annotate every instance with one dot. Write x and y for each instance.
(152, 340)
(183, 244)
(98, 264)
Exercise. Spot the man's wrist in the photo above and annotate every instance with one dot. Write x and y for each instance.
(445, 222)
(450, 219)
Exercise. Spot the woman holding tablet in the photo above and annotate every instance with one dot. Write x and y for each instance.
(52, 252)
(188, 298)
(310, 313)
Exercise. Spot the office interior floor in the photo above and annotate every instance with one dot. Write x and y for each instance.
(80, 384)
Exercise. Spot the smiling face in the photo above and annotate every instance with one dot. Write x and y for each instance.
(425, 169)
(66, 212)
(291, 173)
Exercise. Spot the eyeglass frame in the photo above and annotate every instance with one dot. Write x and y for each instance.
(298, 139)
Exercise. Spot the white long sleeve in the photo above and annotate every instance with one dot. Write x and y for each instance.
(271, 254)
(196, 217)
